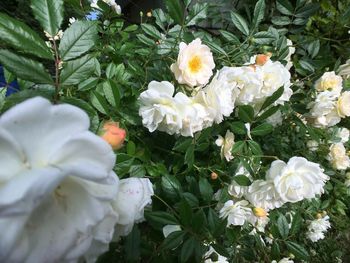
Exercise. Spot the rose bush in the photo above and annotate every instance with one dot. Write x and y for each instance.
(204, 132)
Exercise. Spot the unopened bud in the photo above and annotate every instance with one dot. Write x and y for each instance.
(214, 176)
(149, 14)
(261, 59)
(114, 135)
(319, 216)
(291, 256)
(259, 212)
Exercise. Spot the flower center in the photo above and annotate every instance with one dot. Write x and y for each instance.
(195, 64)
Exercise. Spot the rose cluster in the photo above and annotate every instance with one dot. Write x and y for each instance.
(249, 84)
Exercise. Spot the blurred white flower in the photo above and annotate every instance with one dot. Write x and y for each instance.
(312, 145)
(133, 196)
(317, 228)
(347, 179)
(291, 51)
(194, 65)
(338, 157)
(259, 222)
(343, 104)
(211, 256)
(343, 134)
(234, 188)
(168, 229)
(235, 212)
(344, 70)
(283, 260)
(56, 184)
(114, 6)
(329, 81)
(226, 145)
(297, 179)
(263, 194)
(275, 119)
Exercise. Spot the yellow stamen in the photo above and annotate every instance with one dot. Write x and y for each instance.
(195, 64)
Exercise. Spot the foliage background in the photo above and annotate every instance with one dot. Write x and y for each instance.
(127, 55)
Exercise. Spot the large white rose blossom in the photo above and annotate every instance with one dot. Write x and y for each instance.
(338, 157)
(263, 194)
(329, 81)
(56, 184)
(133, 196)
(343, 104)
(194, 65)
(236, 212)
(298, 179)
(317, 228)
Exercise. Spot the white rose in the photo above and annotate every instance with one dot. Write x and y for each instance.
(312, 145)
(283, 260)
(133, 196)
(317, 228)
(297, 179)
(343, 104)
(56, 184)
(275, 119)
(329, 81)
(343, 134)
(328, 120)
(226, 145)
(338, 157)
(263, 194)
(235, 212)
(246, 81)
(218, 98)
(324, 103)
(194, 65)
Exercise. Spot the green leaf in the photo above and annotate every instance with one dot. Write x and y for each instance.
(22, 37)
(189, 156)
(173, 240)
(240, 23)
(88, 84)
(283, 227)
(185, 212)
(296, 224)
(255, 147)
(285, 7)
(215, 47)
(111, 92)
(111, 70)
(238, 147)
(182, 144)
(151, 31)
(307, 10)
(205, 189)
(124, 162)
(137, 170)
(197, 12)
(242, 180)
(49, 13)
(246, 113)
(259, 12)
(297, 250)
(75, 71)
(313, 48)
(171, 186)
(79, 38)
(99, 102)
(25, 68)
(263, 37)
(161, 218)
(306, 65)
(237, 127)
(268, 113)
(132, 244)
(176, 10)
(229, 37)
(187, 249)
(275, 96)
(262, 129)
(130, 148)
(281, 20)
(275, 250)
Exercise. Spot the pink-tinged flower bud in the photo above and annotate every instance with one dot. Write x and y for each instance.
(112, 134)
(259, 212)
(261, 59)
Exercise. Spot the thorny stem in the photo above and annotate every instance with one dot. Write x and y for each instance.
(57, 70)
